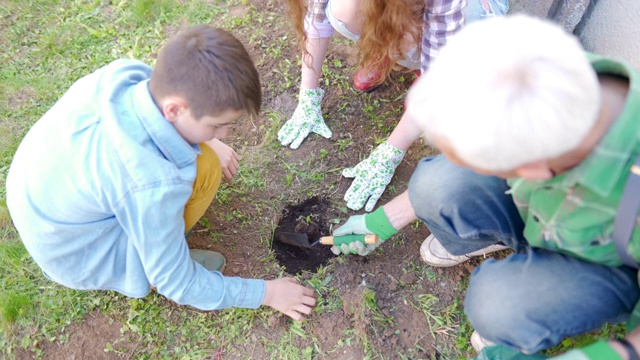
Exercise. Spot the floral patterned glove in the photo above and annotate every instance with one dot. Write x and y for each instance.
(372, 175)
(306, 118)
(374, 223)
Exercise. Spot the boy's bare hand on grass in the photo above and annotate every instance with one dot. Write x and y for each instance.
(289, 297)
(229, 160)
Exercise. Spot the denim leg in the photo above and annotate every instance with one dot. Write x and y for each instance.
(464, 210)
(483, 9)
(532, 301)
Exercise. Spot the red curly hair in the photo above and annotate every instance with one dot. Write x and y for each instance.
(388, 26)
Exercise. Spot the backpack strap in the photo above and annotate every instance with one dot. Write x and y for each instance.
(627, 215)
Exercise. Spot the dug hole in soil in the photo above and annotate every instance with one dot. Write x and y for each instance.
(309, 218)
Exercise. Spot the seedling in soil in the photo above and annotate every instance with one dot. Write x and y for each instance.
(308, 219)
(439, 320)
(296, 259)
(204, 222)
(370, 302)
(344, 143)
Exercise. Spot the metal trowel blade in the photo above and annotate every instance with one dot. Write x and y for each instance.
(294, 239)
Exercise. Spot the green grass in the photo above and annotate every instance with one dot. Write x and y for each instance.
(31, 307)
(46, 46)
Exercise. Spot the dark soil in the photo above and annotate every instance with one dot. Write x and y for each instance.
(309, 218)
(88, 341)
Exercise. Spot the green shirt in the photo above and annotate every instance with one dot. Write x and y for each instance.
(574, 212)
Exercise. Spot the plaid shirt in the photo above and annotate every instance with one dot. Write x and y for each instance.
(442, 18)
(574, 212)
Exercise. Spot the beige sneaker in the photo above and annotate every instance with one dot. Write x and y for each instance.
(478, 342)
(434, 254)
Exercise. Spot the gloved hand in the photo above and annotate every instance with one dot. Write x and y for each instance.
(372, 175)
(306, 118)
(374, 223)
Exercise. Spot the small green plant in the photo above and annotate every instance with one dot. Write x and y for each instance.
(307, 219)
(250, 177)
(204, 222)
(13, 306)
(344, 143)
(370, 303)
(150, 10)
(437, 319)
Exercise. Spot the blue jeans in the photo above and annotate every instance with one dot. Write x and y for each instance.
(464, 210)
(476, 9)
(532, 299)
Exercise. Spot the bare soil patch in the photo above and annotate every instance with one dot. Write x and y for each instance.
(308, 218)
(87, 341)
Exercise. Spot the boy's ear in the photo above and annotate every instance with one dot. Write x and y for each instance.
(172, 107)
(538, 170)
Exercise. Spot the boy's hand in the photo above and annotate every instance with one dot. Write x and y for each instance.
(289, 297)
(228, 158)
(372, 176)
(306, 118)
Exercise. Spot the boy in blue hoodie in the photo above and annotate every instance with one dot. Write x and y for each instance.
(106, 184)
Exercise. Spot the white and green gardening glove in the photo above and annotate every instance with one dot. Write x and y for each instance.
(372, 175)
(306, 118)
(374, 223)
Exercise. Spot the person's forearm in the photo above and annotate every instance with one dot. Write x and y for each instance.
(399, 211)
(312, 62)
(405, 133)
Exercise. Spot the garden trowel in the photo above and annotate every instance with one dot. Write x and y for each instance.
(302, 240)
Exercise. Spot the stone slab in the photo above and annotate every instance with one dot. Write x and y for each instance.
(567, 13)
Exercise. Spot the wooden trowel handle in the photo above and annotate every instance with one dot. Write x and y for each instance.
(347, 239)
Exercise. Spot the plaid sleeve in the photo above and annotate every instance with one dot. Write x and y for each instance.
(316, 24)
(442, 18)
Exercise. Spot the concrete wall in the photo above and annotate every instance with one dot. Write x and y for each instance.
(607, 27)
(567, 13)
(612, 27)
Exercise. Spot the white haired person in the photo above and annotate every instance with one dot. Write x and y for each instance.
(563, 127)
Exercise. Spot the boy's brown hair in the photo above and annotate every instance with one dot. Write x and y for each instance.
(210, 69)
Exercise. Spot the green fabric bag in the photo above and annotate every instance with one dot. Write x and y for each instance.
(499, 352)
